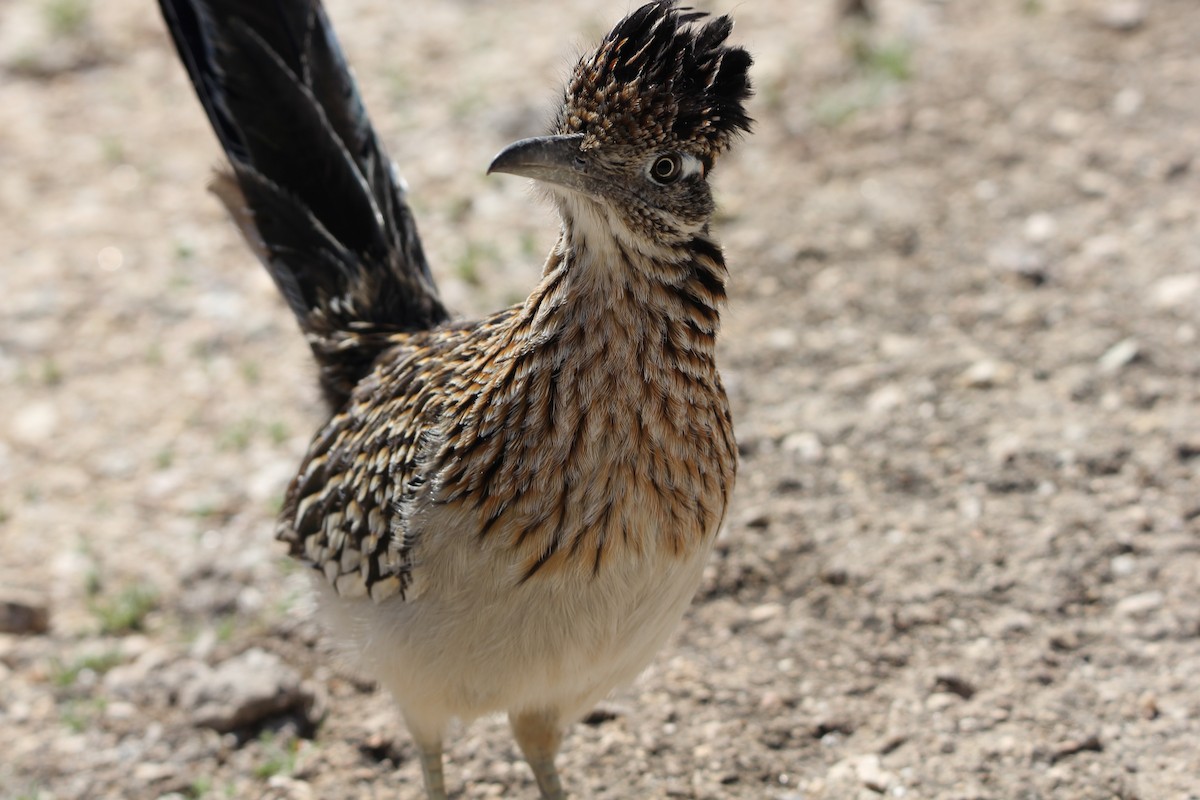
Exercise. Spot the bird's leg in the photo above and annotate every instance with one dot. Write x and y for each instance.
(429, 746)
(539, 734)
(431, 767)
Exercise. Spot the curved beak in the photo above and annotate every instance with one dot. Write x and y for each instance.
(553, 159)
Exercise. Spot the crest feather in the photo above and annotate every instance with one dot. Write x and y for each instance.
(661, 77)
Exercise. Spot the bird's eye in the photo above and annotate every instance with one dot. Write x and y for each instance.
(666, 168)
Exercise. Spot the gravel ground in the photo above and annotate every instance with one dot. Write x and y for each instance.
(964, 555)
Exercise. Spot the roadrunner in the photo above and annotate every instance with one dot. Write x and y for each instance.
(508, 514)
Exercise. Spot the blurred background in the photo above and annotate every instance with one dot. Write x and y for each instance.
(963, 559)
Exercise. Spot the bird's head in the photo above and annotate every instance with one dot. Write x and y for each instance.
(643, 120)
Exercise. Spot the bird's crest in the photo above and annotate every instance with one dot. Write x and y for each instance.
(661, 79)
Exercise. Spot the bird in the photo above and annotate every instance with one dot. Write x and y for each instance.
(508, 514)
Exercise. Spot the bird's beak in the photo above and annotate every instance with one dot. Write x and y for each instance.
(553, 159)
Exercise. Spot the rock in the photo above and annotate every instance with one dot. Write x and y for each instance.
(605, 712)
(35, 423)
(872, 775)
(1120, 355)
(1094, 183)
(1009, 623)
(858, 771)
(156, 677)
(886, 399)
(1104, 248)
(1090, 744)
(121, 710)
(1128, 102)
(1148, 706)
(987, 374)
(805, 446)
(781, 339)
(1124, 15)
(954, 684)
(243, 690)
(1180, 291)
(281, 787)
(1139, 605)
(1067, 124)
(764, 612)
(1040, 228)
(1021, 261)
(1014, 257)
(1188, 447)
(832, 725)
(21, 613)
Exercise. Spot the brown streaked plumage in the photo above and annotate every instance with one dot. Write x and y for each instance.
(509, 514)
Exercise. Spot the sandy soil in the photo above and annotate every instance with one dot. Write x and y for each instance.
(964, 555)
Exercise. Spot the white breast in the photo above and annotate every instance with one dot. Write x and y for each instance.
(475, 641)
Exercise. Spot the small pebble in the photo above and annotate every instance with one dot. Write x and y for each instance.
(1181, 291)
(1139, 605)
(21, 613)
(987, 374)
(1120, 355)
(1040, 228)
(1124, 15)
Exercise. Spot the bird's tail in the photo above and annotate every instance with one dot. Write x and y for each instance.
(310, 186)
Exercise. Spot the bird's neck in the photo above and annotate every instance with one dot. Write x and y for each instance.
(609, 290)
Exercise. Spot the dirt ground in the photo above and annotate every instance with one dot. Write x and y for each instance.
(963, 559)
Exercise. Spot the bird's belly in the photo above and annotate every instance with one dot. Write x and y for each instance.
(477, 641)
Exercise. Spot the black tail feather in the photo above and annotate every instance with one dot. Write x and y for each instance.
(316, 196)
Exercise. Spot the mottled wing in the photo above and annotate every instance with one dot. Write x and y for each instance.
(343, 511)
